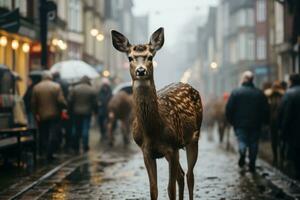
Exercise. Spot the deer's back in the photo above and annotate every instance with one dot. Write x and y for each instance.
(181, 106)
(121, 105)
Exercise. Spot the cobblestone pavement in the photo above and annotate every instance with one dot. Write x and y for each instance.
(119, 173)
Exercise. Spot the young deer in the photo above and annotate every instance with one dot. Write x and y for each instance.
(164, 121)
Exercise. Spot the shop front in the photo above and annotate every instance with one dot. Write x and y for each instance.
(14, 53)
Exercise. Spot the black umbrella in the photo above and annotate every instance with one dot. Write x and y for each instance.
(36, 76)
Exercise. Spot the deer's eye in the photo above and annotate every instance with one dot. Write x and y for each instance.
(150, 58)
(130, 59)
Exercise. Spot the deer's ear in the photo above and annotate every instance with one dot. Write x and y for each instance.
(157, 39)
(120, 42)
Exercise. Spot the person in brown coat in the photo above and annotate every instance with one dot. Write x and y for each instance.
(83, 102)
(274, 95)
(47, 102)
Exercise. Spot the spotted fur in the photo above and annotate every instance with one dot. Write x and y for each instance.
(164, 121)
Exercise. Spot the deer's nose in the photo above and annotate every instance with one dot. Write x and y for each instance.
(140, 71)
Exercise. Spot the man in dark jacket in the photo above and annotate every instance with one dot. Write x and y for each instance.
(289, 116)
(247, 109)
(105, 95)
(83, 102)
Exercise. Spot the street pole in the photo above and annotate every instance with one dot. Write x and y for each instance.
(43, 33)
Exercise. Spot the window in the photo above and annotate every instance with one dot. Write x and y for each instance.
(261, 50)
(242, 46)
(246, 46)
(250, 17)
(6, 4)
(74, 15)
(23, 6)
(250, 46)
(242, 18)
(261, 10)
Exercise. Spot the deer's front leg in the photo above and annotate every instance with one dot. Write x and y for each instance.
(173, 159)
(152, 174)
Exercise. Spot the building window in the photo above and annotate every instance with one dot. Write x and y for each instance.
(250, 17)
(6, 4)
(75, 16)
(242, 47)
(261, 48)
(250, 46)
(261, 10)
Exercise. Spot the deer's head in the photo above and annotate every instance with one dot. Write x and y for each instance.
(140, 56)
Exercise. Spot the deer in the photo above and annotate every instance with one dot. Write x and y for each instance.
(164, 121)
(119, 108)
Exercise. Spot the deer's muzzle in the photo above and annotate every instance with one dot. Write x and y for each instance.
(140, 72)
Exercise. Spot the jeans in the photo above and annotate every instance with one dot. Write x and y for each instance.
(248, 138)
(48, 136)
(102, 120)
(81, 129)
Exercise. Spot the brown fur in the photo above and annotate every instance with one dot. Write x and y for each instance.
(119, 108)
(174, 113)
(164, 121)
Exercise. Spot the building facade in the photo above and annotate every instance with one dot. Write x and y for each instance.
(16, 40)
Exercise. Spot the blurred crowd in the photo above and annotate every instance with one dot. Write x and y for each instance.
(271, 113)
(62, 112)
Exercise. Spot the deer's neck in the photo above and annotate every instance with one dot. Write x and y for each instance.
(146, 106)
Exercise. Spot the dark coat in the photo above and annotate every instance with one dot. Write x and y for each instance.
(289, 116)
(247, 107)
(83, 99)
(105, 95)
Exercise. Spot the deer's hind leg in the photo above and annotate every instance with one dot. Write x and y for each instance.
(192, 155)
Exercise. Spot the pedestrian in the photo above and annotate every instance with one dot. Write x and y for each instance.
(83, 102)
(289, 117)
(274, 95)
(247, 110)
(27, 101)
(66, 121)
(105, 95)
(47, 103)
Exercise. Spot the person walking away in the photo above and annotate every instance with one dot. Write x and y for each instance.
(47, 102)
(66, 121)
(247, 110)
(27, 101)
(105, 95)
(289, 117)
(274, 95)
(83, 101)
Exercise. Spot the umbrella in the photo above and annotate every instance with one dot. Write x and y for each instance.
(36, 76)
(73, 70)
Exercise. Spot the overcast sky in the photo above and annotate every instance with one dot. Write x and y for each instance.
(180, 18)
(173, 15)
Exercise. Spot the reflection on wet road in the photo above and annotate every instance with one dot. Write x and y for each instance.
(120, 174)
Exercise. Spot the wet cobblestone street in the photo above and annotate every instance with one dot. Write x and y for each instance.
(107, 173)
(120, 174)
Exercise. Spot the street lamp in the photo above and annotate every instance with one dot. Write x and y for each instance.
(25, 47)
(15, 44)
(54, 41)
(3, 41)
(213, 65)
(94, 32)
(100, 37)
(106, 73)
